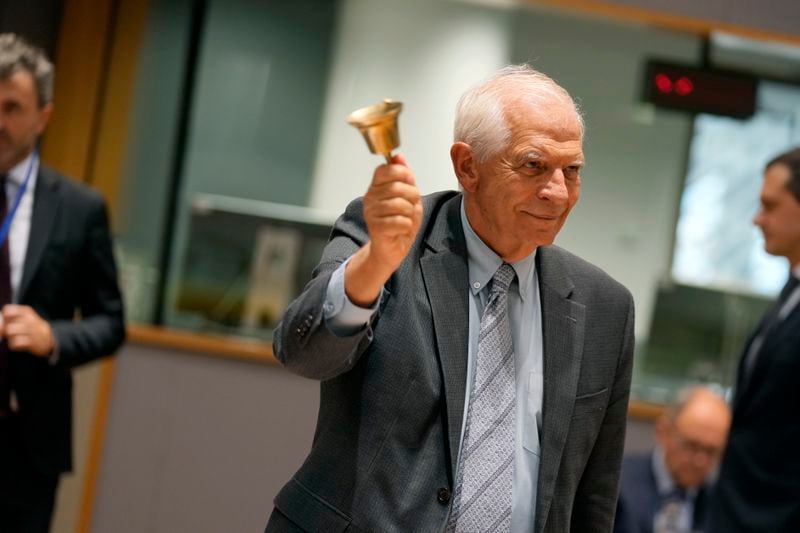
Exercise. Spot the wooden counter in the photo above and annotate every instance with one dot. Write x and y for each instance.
(259, 351)
(225, 346)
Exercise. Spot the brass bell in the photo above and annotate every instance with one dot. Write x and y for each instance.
(378, 124)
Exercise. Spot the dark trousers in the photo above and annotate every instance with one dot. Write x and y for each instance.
(27, 495)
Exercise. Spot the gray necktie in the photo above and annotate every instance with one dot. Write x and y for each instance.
(486, 465)
(672, 517)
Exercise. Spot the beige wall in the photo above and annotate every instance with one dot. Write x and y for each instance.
(199, 443)
(68, 501)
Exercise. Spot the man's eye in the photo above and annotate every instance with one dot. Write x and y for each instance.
(11, 107)
(535, 165)
(572, 172)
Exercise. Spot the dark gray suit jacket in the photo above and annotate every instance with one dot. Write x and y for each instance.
(69, 266)
(392, 396)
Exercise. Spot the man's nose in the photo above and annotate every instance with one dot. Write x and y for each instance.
(555, 190)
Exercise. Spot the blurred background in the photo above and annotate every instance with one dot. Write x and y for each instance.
(215, 129)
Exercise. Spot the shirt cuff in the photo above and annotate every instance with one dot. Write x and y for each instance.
(342, 316)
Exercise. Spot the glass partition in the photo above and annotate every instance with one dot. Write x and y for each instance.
(696, 336)
(245, 261)
(723, 278)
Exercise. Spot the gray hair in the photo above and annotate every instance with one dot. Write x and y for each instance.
(17, 54)
(480, 113)
(687, 395)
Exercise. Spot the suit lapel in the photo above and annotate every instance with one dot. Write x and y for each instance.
(741, 381)
(563, 329)
(765, 357)
(45, 206)
(445, 274)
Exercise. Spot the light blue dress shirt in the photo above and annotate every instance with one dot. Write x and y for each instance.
(524, 311)
(524, 308)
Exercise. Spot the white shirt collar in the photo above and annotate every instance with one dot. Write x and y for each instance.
(18, 173)
(664, 482)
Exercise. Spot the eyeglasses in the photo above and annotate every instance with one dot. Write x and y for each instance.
(697, 448)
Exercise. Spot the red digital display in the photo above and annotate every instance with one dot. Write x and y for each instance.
(684, 86)
(700, 90)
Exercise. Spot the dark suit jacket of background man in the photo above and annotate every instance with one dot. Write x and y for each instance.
(759, 481)
(68, 265)
(392, 396)
(639, 500)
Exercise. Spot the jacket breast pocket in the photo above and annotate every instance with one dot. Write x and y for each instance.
(590, 404)
(308, 510)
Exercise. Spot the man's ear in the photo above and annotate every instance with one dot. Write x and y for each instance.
(465, 165)
(44, 117)
(662, 430)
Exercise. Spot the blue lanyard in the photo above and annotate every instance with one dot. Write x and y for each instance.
(10, 216)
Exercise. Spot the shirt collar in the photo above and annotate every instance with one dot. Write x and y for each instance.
(664, 483)
(17, 174)
(483, 262)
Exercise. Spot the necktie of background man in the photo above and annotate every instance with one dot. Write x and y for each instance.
(671, 515)
(486, 465)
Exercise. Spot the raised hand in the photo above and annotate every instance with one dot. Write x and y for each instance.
(393, 213)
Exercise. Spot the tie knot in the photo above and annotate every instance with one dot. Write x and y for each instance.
(502, 278)
(677, 493)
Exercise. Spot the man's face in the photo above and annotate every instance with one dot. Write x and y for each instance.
(693, 443)
(520, 197)
(21, 118)
(779, 216)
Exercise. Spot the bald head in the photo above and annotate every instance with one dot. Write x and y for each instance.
(693, 433)
(698, 403)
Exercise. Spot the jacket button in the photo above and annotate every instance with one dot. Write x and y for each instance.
(443, 495)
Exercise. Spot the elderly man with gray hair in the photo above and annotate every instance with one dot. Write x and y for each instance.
(668, 489)
(473, 377)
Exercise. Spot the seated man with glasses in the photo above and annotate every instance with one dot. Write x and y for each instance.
(666, 491)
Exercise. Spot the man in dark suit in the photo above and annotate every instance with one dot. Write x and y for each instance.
(473, 377)
(56, 263)
(666, 491)
(759, 483)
